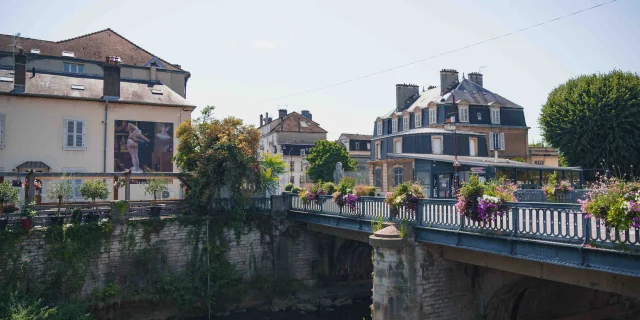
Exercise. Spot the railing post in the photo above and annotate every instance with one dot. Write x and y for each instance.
(362, 209)
(516, 220)
(127, 185)
(420, 213)
(586, 229)
(31, 191)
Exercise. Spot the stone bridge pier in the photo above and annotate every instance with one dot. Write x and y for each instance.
(415, 280)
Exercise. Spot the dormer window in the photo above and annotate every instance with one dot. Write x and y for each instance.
(405, 122)
(379, 127)
(463, 112)
(495, 115)
(432, 115)
(67, 54)
(418, 118)
(394, 125)
(36, 51)
(73, 68)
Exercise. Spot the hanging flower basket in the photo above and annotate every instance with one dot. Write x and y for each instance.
(615, 203)
(484, 202)
(405, 196)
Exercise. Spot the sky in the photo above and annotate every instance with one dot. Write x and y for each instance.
(252, 57)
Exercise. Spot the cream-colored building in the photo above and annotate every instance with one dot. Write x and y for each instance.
(61, 122)
(545, 156)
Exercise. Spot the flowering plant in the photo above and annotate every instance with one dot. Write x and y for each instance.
(480, 201)
(118, 183)
(404, 195)
(552, 190)
(615, 202)
(312, 194)
(36, 185)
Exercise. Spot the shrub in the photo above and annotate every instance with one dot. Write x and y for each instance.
(328, 188)
(95, 189)
(365, 191)
(155, 187)
(346, 185)
(289, 187)
(295, 189)
(8, 195)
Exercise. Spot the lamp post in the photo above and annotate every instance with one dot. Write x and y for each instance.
(449, 125)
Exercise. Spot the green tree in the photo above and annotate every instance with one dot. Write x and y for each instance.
(8, 195)
(156, 187)
(61, 191)
(272, 165)
(323, 158)
(94, 189)
(593, 121)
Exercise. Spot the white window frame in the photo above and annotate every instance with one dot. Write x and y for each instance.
(417, 118)
(394, 125)
(75, 66)
(379, 127)
(398, 173)
(65, 134)
(463, 111)
(433, 150)
(495, 115)
(76, 183)
(405, 122)
(395, 141)
(2, 130)
(357, 145)
(378, 147)
(302, 152)
(368, 146)
(474, 152)
(496, 141)
(433, 115)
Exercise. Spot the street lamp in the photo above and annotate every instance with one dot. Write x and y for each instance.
(449, 125)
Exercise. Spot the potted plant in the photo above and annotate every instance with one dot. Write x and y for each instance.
(94, 189)
(27, 213)
(61, 191)
(484, 201)
(118, 209)
(404, 195)
(9, 196)
(155, 187)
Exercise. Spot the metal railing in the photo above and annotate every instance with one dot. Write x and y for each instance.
(536, 195)
(551, 222)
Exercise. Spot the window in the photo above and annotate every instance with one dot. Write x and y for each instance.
(397, 146)
(394, 125)
(357, 146)
(397, 176)
(464, 113)
(379, 127)
(378, 151)
(418, 118)
(368, 146)
(436, 145)
(539, 162)
(74, 132)
(36, 51)
(67, 54)
(302, 152)
(377, 176)
(405, 123)
(77, 87)
(75, 183)
(495, 115)
(473, 147)
(292, 166)
(73, 68)
(2, 131)
(157, 91)
(496, 141)
(479, 116)
(432, 115)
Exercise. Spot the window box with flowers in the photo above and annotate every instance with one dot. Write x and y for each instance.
(484, 201)
(405, 196)
(615, 203)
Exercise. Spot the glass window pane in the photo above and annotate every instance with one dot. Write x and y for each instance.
(70, 126)
(80, 68)
(70, 140)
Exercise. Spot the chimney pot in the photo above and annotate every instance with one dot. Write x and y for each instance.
(405, 93)
(448, 78)
(282, 113)
(20, 68)
(307, 114)
(261, 120)
(476, 77)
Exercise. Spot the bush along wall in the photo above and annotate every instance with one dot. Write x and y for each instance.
(181, 262)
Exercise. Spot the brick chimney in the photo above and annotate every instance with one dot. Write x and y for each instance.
(282, 113)
(476, 77)
(307, 114)
(448, 78)
(404, 93)
(20, 76)
(111, 82)
(261, 120)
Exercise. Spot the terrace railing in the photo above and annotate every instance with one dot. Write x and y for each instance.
(561, 223)
(535, 195)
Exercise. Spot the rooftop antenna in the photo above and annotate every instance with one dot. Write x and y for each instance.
(15, 46)
(480, 69)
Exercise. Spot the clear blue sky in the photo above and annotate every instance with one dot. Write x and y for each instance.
(242, 52)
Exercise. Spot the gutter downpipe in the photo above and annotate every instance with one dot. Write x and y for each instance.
(106, 112)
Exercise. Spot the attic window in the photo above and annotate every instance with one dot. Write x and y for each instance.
(304, 124)
(67, 54)
(77, 87)
(6, 79)
(156, 91)
(37, 51)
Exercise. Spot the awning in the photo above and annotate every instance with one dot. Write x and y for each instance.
(35, 165)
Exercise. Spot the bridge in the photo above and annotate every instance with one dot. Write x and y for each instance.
(442, 265)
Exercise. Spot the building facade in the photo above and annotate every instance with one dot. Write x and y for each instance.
(290, 135)
(439, 137)
(545, 156)
(359, 148)
(90, 118)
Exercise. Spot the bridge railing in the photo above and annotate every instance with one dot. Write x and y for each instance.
(553, 222)
(537, 195)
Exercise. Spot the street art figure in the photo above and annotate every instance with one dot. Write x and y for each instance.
(163, 134)
(135, 137)
(338, 173)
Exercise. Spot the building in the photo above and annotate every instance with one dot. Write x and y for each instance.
(359, 148)
(79, 106)
(545, 156)
(416, 141)
(290, 135)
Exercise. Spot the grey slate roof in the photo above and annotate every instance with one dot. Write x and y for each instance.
(477, 161)
(33, 165)
(357, 136)
(426, 130)
(466, 90)
(59, 86)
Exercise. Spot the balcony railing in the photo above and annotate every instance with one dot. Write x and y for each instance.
(549, 222)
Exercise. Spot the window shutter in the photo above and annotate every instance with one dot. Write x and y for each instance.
(502, 141)
(64, 133)
(84, 133)
(491, 141)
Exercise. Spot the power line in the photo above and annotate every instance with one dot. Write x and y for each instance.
(440, 54)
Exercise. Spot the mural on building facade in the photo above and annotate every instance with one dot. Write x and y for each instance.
(142, 146)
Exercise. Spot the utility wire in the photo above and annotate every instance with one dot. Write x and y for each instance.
(440, 54)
